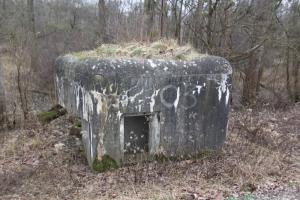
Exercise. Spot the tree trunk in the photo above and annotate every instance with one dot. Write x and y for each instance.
(296, 78)
(208, 25)
(252, 78)
(179, 21)
(149, 8)
(197, 33)
(211, 9)
(288, 85)
(102, 21)
(32, 32)
(22, 92)
(31, 17)
(174, 17)
(162, 10)
(260, 69)
(2, 99)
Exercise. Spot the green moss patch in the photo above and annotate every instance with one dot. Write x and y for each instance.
(55, 112)
(77, 124)
(162, 158)
(162, 49)
(75, 130)
(107, 163)
(206, 154)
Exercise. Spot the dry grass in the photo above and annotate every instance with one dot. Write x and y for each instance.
(260, 154)
(256, 150)
(162, 49)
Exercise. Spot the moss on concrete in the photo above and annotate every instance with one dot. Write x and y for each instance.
(105, 164)
(55, 112)
(75, 130)
(47, 116)
(162, 49)
(77, 124)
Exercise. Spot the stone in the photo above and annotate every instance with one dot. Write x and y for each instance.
(133, 109)
(59, 147)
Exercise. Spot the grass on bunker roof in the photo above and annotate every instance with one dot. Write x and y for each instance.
(162, 49)
(45, 162)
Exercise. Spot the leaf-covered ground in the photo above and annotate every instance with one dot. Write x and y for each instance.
(260, 160)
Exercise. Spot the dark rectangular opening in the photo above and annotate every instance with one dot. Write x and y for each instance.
(136, 134)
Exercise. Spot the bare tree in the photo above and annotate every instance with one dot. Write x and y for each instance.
(162, 11)
(150, 8)
(102, 15)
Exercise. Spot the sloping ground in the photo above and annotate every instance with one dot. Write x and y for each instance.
(259, 161)
(162, 49)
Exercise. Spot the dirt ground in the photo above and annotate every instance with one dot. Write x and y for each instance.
(260, 160)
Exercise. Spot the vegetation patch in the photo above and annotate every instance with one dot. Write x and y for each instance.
(162, 49)
(204, 154)
(163, 158)
(244, 197)
(75, 129)
(55, 112)
(107, 163)
(77, 124)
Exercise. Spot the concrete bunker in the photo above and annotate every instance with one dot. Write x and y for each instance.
(135, 108)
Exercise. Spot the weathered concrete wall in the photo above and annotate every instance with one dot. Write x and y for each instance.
(2, 97)
(187, 102)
